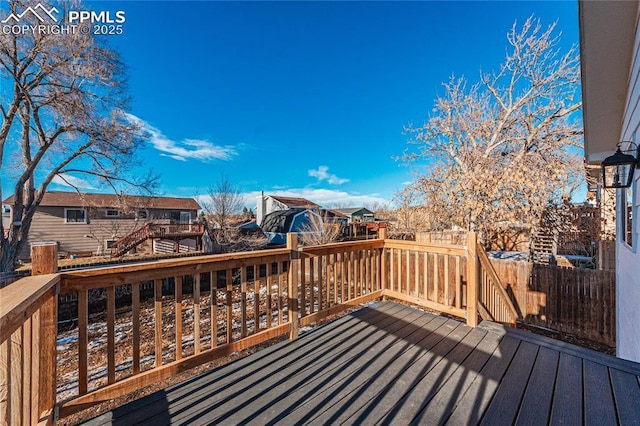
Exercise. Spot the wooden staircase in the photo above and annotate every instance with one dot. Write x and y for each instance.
(151, 230)
(543, 247)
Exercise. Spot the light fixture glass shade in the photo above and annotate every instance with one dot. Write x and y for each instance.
(617, 170)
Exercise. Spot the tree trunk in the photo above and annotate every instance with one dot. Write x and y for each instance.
(8, 256)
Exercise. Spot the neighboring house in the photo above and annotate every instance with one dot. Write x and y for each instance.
(358, 214)
(610, 45)
(272, 203)
(334, 216)
(93, 222)
(277, 224)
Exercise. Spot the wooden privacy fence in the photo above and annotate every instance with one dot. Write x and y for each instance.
(577, 301)
(201, 308)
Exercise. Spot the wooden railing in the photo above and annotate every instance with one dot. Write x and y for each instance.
(28, 311)
(336, 276)
(158, 230)
(154, 230)
(202, 308)
(432, 276)
(494, 303)
(120, 246)
(185, 312)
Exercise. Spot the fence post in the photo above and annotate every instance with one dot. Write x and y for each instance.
(472, 280)
(44, 260)
(292, 282)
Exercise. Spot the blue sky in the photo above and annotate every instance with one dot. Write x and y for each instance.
(302, 98)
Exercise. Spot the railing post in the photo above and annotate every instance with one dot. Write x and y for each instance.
(44, 260)
(472, 280)
(382, 234)
(292, 283)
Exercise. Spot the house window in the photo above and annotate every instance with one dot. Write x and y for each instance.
(628, 216)
(75, 216)
(185, 217)
(143, 214)
(109, 243)
(174, 217)
(112, 213)
(6, 209)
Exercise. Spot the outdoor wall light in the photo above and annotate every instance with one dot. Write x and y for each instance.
(618, 169)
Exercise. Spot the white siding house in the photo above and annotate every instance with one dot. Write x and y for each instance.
(266, 204)
(609, 44)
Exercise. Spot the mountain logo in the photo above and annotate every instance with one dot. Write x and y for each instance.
(39, 11)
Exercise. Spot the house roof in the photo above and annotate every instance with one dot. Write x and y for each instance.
(73, 199)
(282, 221)
(332, 214)
(294, 201)
(353, 210)
(279, 221)
(607, 31)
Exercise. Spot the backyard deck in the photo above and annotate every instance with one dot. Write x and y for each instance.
(389, 363)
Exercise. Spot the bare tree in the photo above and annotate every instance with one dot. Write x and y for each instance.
(410, 213)
(62, 104)
(319, 230)
(381, 210)
(222, 217)
(501, 150)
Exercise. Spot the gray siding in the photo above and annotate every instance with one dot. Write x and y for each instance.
(167, 246)
(49, 225)
(628, 258)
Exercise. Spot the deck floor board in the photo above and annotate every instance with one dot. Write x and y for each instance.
(335, 382)
(374, 386)
(333, 361)
(392, 364)
(536, 404)
(567, 395)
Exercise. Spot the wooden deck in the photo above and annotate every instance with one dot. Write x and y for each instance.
(391, 364)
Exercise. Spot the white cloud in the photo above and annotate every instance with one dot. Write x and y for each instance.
(196, 149)
(323, 197)
(323, 174)
(326, 198)
(71, 182)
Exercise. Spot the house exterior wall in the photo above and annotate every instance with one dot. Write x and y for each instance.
(267, 204)
(628, 256)
(6, 216)
(49, 224)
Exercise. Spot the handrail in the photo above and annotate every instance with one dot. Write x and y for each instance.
(431, 247)
(153, 230)
(131, 235)
(128, 241)
(176, 228)
(19, 302)
(333, 247)
(123, 274)
(28, 342)
(496, 285)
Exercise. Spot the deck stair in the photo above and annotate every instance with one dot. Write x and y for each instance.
(543, 247)
(151, 231)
